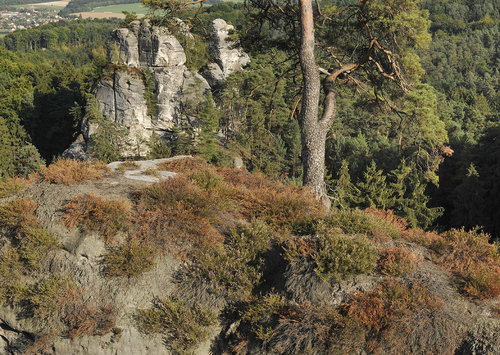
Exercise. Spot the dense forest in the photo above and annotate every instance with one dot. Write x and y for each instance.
(432, 155)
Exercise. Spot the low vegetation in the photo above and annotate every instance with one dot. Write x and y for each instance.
(332, 254)
(366, 223)
(396, 261)
(474, 261)
(243, 241)
(52, 302)
(128, 165)
(184, 326)
(184, 165)
(12, 186)
(235, 269)
(18, 214)
(379, 321)
(85, 317)
(92, 213)
(129, 259)
(72, 172)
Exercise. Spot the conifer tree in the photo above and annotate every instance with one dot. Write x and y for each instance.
(374, 188)
(209, 118)
(345, 193)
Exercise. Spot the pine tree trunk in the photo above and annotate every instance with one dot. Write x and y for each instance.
(313, 129)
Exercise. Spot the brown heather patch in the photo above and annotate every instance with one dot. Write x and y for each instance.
(93, 213)
(184, 165)
(389, 216)
(177, 215)
(389, 303)
(428, 239)
(18, 214)
(174, 229)
(392, 312)
(496, 309)
(467, 254)
(82, 316)
(474, 260)
(72, 172)
(396, 261)
(281, 206)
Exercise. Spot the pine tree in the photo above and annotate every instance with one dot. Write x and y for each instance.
(345, 193)
(374, 188)
(158, 148)
(209, 117)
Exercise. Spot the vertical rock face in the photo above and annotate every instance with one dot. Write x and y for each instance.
(177, 93)
(226, 53)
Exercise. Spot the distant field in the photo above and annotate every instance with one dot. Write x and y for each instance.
(53, 5)
(102, 15)
(137, 8)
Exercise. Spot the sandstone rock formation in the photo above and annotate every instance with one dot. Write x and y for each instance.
(178, 92)
(226, 53)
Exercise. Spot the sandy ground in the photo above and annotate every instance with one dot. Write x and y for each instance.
(102, 15)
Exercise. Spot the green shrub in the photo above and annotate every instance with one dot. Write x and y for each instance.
(158, 148)
(13, 186)
(262, 315)
(184, 326)
(128, 165)
(359, 222)
(340, 256)
(150, 93)
(206, 179)
(233, 270)
(333, 254)
(108, 141)
(43, 299)
(36, 242)
(11, 270)
(129, 259)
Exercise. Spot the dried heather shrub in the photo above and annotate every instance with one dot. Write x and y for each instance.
(72, 172)
(93, 213)
(396, 261)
